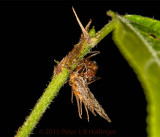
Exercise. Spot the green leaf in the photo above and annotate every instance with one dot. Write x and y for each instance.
(138, 40)
(149, 28)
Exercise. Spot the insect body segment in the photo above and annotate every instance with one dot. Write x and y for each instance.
(83, 95)
(73, 56)
(87, 68)
(79, 80)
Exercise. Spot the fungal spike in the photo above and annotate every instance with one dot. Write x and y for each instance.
(85, 33)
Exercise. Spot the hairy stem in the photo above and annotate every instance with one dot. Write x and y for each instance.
(57, 82)
(104, 31)
(42, 104)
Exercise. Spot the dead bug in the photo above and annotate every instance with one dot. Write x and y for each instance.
(73, 56)
(88, 68)
(83, 95)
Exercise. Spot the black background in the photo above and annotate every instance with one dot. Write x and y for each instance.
(35, 33)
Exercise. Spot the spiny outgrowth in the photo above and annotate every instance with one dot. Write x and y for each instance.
(83, 75)
(74, 56)
(84, 30)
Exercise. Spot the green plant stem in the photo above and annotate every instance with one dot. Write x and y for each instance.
(104, 31)
(55, 85)
(42, 104)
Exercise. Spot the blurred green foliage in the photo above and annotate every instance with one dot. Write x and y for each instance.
(138, 39)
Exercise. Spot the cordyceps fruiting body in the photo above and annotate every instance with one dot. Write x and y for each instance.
(83, 95)
(83, 75)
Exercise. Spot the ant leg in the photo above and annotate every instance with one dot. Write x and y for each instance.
(97, 78)
(79, 69)
(83, 64)
(93, 53)
(85, 67)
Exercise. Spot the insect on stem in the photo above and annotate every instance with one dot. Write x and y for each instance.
(83, 75)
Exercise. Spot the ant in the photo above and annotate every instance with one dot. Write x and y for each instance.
(83, 75)
(89, 66)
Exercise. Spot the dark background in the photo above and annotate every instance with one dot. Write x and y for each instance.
(35, 33)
